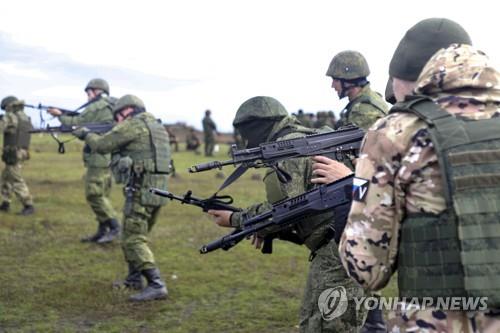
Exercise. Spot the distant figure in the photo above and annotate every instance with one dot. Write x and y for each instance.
(331, 119)
(209, 131)
(192, 141)
(304, 118)
(173, 139)
(16, 142)
(321, 119)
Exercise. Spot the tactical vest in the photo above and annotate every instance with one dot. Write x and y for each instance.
(456, 253)
(22, 137)
(366, 99)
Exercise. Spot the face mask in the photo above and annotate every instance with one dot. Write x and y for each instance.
(256, 132)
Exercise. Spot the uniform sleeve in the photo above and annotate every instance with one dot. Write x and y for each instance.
(121, 135)
(364, 115)
(369, 244)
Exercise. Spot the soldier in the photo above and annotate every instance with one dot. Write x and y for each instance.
(98, 177)
(349, 71)
(304, 119)
(16, 141)
(142, 150)
(192, 141)
(209, 131)
(420, 205)
(263, 119)
(321, 119)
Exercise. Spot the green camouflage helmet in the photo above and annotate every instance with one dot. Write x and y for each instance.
(348, 65)
(259, 108)
(98, 84)
(128, 101)
(7, 101)
(421, 42)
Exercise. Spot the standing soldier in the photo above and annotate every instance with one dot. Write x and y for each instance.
(427, 198)
(209, 131)
(264, 119)
(98, 181)
(16, 141)
(349, 71)
(143, 162)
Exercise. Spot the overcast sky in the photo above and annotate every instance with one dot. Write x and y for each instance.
(182, 57)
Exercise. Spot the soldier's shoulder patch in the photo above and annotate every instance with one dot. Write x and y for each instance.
(359, 189)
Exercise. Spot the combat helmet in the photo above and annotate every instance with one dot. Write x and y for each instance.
(129, 101)
(348, 65)
(259, 108)
(421, 42)
(98, 84)
(7, 101)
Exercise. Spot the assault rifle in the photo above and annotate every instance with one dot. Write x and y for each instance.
(93, 127)
(215, 202)
(338, 143)
(336, 197)
(46, 107)
(52, 130)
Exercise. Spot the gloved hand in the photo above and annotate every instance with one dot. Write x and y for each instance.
(81, 132)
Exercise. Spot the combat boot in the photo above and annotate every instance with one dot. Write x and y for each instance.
(101, 231)
(112, 234)
(374, 322)
(5, 206)
(156, 288)
(132, 281)
(27, 210)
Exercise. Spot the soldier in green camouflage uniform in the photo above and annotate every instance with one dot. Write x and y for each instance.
(264, 119)
(141, 150)
(349, 71)
(15, 125)
(304, 119)
(400, 181)
(209, 131)
(98, 176)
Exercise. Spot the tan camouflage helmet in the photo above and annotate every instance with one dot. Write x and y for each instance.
(128, 101)
(459, 66)
(348, 65)
(98, 84)
(7, 101)
(259, 108)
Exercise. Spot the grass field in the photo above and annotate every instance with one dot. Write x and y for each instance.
(50, 282)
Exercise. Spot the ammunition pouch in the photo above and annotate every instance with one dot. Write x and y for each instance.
(153, 180)
(9, 155)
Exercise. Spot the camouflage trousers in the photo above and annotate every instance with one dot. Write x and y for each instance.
(12, 181)
(209, 145)
(325, 272)
(437, 321)
(97, 190)
(138, 220)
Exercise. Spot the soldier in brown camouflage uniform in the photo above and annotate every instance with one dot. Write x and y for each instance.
(398, 170)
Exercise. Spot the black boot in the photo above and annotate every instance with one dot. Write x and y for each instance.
(101, 231)
(156, 288)
(27, 210)
(132, 281)
(374, 322)
(112, 234)
(5, 206)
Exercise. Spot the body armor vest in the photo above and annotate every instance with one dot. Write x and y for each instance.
(21, 138)
(456, 253)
